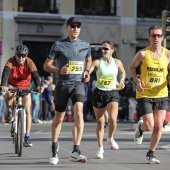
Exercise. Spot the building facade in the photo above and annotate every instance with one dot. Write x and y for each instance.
(39, 23)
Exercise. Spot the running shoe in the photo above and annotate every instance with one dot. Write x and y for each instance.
(77, 157)
(27, 142)
(100, 154)
(152, 159)
(138, 136)
(113, 144)
(53, 157)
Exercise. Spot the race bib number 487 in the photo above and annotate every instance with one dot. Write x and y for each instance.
(76, 67)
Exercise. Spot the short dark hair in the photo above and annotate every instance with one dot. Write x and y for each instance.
(155, 27)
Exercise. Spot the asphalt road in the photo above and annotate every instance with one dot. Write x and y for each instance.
(129, 157)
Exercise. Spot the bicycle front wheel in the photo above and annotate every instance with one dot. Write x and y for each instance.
(15, 142)
(20, 132)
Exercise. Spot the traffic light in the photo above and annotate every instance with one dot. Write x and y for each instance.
(166, 26)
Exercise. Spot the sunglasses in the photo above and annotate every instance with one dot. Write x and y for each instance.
(74, 26)
(21, 55)
(156, 35)
(105, 48)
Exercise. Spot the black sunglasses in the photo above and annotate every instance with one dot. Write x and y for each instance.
(105, 48)
(21, 55)
(74, 26)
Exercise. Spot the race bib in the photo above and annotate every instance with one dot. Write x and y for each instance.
(153, 79)
(76, 67)
(105, 81)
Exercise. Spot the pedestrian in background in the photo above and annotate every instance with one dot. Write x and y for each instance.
(47, 100)
(151, 89)
(105, 95)
(130, 93)
(35, 97)
(2, 105)
(75, 61)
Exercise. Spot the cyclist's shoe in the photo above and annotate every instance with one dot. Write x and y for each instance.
(27, 142)
(138, 136)
(9, 117)
(100, 154)
(77, 157)
(113, 144)
(152, 159)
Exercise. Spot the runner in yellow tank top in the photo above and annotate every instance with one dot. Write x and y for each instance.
(151, 89)
(153, 74)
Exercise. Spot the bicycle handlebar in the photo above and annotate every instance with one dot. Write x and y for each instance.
(13, 90)
(22, 91)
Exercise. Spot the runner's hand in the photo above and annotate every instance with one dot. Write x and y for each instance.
(86, 76)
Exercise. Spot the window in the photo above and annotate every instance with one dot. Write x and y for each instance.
(152, 9)
(51, 6)
(95, 7)
(96, 52)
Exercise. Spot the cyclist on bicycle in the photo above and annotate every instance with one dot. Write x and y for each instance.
(17, 73)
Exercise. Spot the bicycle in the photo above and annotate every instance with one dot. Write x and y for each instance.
(18, 126)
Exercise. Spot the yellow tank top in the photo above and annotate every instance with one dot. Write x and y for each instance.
(153, 74)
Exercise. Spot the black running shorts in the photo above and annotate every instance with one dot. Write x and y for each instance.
(102, 98)
(75, 91)
(147, 105)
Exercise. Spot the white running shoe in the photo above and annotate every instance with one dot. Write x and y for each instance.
(138, 137)
(53, 158)
(100, 154)
(77, 157)
(112, 143)
(152, 160)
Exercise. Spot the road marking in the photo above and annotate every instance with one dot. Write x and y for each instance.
(166, 147)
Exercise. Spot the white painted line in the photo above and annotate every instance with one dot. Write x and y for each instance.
(166, 147)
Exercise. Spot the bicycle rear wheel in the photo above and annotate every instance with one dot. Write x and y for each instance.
(20, 132)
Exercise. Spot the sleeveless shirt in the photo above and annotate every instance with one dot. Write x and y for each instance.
(153, 74)
(106, 75)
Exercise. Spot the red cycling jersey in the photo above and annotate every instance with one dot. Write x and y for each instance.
(20, 75)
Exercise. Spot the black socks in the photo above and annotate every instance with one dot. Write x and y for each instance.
(75, 147)
(150, 153)
(54, 147)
